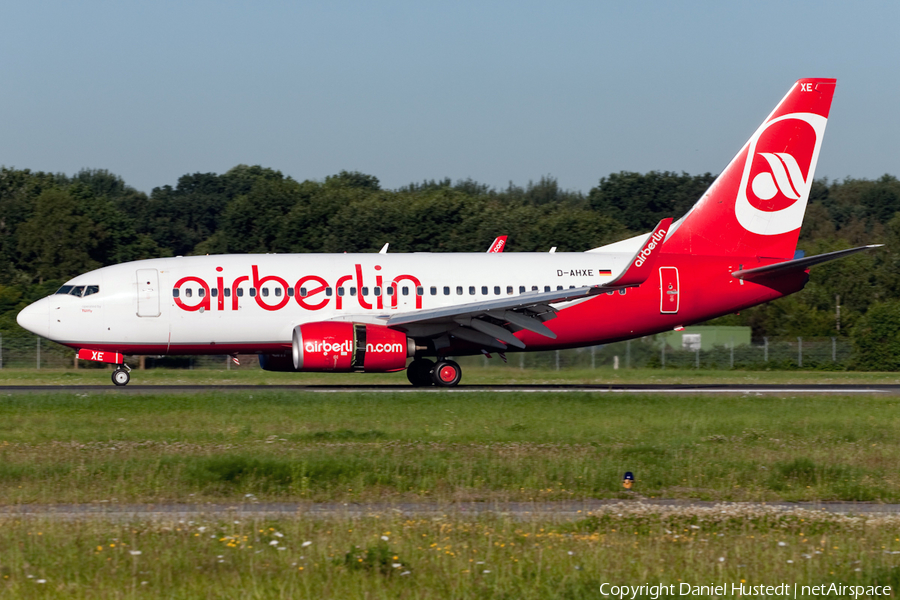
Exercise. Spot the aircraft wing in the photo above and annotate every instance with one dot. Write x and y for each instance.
(492, 323)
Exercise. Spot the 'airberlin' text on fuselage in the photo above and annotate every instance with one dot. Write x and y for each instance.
(655, 238)
(314, 286)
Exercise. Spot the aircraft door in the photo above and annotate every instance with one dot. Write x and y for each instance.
(669, 292)
(147, 293)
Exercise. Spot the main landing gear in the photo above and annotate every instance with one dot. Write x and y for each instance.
(121, 375)
(423, 372)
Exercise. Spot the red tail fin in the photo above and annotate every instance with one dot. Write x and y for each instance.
(756, 206)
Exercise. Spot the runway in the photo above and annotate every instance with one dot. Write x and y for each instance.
(688, 388)
(568, 510)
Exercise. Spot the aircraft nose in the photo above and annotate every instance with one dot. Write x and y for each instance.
(36, 318)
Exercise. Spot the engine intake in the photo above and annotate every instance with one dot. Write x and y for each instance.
(337, 346)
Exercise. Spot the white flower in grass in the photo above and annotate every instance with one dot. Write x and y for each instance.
(201, 529)
(486, 571)
(571, 553)
(404, 573)
(721, 559)
(396, 565)
(273, 543)
(790, 562)
(305, 544)
(134, 552)
(278, 534)
(782, 543)
(385, 538)
(45, 581)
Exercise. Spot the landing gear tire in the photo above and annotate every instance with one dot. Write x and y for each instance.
(419, 372)
(446, 373)
(120, 377)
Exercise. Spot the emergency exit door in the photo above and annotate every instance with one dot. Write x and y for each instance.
(669, 293)
(147, 293)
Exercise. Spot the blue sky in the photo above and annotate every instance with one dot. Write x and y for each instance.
(497, 91)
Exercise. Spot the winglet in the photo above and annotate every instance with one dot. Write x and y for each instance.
(498, 244)
(642, 264)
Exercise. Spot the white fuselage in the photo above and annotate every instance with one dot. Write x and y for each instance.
(251, 303)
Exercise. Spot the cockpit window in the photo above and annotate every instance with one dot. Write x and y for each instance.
(78, 290)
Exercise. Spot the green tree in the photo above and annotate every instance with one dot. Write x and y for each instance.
(877, 338)
(57, 241)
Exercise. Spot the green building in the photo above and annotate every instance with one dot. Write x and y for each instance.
(706, 337)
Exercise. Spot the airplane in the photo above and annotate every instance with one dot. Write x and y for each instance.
(381, 312)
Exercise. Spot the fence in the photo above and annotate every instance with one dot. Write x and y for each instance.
(30, 351)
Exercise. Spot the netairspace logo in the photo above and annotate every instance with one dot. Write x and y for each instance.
(795, 590)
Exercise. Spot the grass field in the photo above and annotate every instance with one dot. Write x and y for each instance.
(474, 373)
(65, 447)
(239, 446)
(448, 557)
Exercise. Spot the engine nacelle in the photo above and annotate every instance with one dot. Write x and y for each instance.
(340, 346)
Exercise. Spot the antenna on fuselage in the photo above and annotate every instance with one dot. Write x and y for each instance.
(384, 248)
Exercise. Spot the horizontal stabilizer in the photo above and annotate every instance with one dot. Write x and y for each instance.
(799, 263)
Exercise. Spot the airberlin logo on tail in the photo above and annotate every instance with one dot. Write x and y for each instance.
(784, 177)
(778, 172)
(657, 236)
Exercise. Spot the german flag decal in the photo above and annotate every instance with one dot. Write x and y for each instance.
(604, 272)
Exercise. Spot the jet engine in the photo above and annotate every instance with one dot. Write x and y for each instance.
(340, 346)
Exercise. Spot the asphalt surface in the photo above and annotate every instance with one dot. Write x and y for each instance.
(687, 388)
(524, 511)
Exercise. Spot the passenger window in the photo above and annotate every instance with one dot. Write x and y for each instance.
(340, 291)
(278, 291)
(290, 292)
(201, 292)
(433, 291)
(521, 289)
(328, 291)
(390, 290)
(471, 290)
(509, 290)
(496, 290)
(459, 290)
(420, 291)
(253, 292)
(534, 288)
(446, 290)
(175, 293)
(364, 291)
(484, 290)
(227, 292)
(303, 292)
(91, 289)
(546, 288)
(559, 287)
(353, 291)
(622, 291)
(610, 293)
(214, 292)
(188, 292)
(377, 291)
(265, 291)
(240, 292)
(405, 291)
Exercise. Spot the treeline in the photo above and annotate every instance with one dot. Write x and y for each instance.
(53, 227)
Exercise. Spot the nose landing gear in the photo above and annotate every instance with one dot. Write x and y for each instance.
(121, 375)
